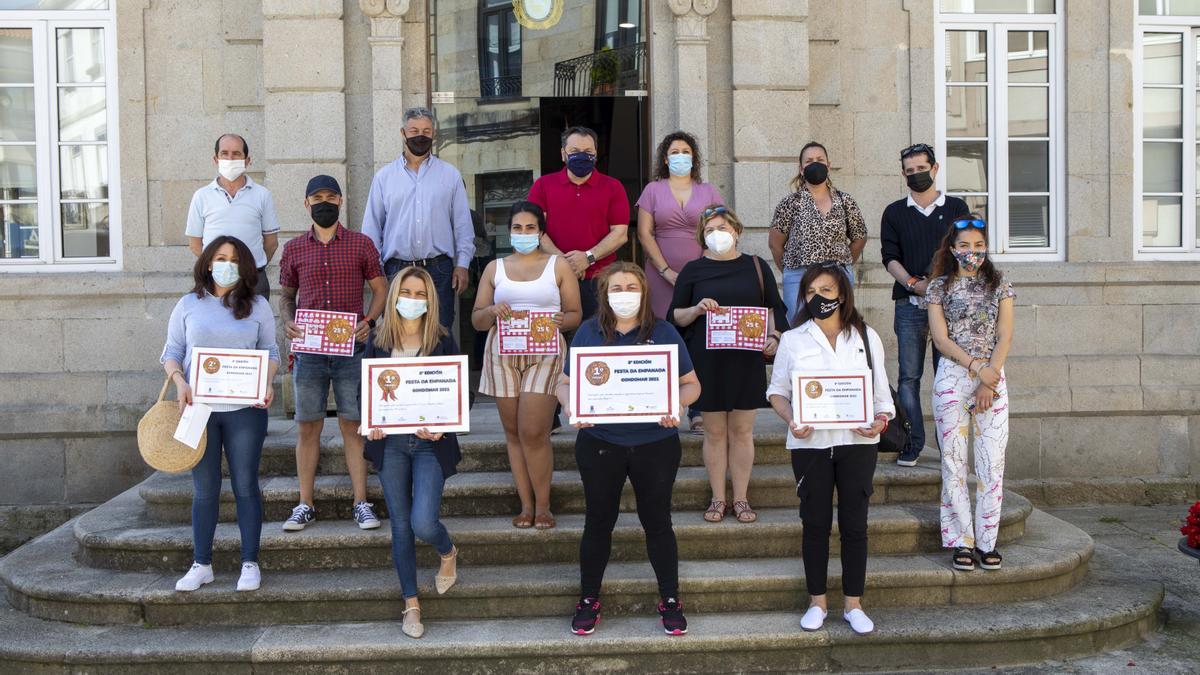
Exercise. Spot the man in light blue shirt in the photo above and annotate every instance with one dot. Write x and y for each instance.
(236, 206)
(417, 214)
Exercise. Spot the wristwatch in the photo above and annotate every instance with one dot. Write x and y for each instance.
(591, 258)
(371, 323)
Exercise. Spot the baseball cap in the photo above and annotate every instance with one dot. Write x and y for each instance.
(322, 182)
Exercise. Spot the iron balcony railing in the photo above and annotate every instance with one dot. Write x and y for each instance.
(508, 86)
(604, 73)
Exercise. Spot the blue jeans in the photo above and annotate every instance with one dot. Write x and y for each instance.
(791, 287)
(241, 433)
(412, 486)
(312, 375)
(441, 268)
(912, 335)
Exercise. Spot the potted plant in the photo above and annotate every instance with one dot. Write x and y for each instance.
(604, 73)
(1189, 543)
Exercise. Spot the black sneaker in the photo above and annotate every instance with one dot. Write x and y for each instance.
(673, 621)
(587, 615)
(908, 457)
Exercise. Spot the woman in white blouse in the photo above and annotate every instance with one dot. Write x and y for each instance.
(829, 336)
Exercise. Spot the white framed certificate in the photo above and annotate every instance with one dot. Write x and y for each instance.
(229, 376)
(403, 395)
(841, 399)
(618, 385)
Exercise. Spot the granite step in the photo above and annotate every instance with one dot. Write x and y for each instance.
(46, 582)
(1106, 611)
(120, 535)
(169, 496)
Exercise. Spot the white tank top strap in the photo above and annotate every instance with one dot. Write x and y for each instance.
(536, 294)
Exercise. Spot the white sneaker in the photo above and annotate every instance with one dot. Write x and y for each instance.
(813, 618)
(859, 621)
(195, 578)
(251, 577)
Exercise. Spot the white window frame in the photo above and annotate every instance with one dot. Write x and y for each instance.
(44, 24)
(1189, 28)
(997, 196)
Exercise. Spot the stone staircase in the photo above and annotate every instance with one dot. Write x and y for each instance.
(97, 594)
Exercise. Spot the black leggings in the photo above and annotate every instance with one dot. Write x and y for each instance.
(651, 469)
(852, 469)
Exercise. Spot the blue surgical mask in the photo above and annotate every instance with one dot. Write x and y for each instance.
(225, 273)
(412, 308)
(680, 165)
(525, 243)
(580, 164)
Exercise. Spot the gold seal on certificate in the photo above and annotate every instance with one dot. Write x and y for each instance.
(614, 385)
(229, 376)
(833, 400)
(404, 395)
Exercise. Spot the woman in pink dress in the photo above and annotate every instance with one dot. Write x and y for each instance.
(668, 211)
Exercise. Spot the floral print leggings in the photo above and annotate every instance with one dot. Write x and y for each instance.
(953, 394)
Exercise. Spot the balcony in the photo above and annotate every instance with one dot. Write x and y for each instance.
(508, 86)
(604, 73)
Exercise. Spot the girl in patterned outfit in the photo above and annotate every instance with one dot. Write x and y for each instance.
(971, 323)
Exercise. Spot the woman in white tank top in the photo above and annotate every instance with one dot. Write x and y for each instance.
(536, 295)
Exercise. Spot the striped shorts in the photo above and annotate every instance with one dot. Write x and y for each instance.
(510, 376)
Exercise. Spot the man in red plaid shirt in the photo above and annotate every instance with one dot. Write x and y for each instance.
(325, 268)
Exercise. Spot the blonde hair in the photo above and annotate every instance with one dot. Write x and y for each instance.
(391, 329)
(723, 212)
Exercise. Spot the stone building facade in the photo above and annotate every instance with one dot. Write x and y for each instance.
(1072, 123)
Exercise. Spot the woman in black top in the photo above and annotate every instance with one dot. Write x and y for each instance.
(733, 381)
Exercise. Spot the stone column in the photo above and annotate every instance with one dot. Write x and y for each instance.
(691, 66)
(304, 65)
(770, 101)
(387, 61)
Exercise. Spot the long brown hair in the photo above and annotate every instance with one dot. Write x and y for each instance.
(945, 264)
(847, 312)
(391, 329)
(240, 298)
(604, 313)
(799, 182)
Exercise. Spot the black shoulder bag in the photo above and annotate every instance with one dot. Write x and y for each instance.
(899, 430)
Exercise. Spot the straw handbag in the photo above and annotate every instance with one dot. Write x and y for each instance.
(156, 437)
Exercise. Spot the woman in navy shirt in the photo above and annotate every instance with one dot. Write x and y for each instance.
(646, 453)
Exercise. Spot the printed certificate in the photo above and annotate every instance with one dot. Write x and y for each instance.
(736, 328)
(613, 385)
(330, 333)
(402, 395)
(833, 399)
(229, 376)
(527, 332)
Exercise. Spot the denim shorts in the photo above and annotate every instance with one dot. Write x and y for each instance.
(311, 377)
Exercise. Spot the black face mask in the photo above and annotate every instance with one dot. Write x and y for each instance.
(919, 182)
(419, 145)
(324, 214)
(816, 173)
(821, 307)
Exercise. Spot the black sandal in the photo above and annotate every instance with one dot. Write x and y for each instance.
(990, 560)
(963, 559)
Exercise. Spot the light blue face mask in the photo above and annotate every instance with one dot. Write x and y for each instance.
(412, 308)
(225, 273)
(680, 165)
(525, 243)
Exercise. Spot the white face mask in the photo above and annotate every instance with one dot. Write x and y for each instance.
(719, 241)
(225, 273)
(625, 304)
(231, 169)
(412, 308)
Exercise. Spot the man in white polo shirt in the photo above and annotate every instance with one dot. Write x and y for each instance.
(235, 205)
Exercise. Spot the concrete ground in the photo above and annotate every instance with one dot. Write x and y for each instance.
(1145, 537)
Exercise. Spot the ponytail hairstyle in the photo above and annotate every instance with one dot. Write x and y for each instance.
(847, 312)
(799, 182)
(945, 264)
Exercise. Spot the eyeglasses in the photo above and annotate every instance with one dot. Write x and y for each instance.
(714, 211)
(964, 224)
(916, 150)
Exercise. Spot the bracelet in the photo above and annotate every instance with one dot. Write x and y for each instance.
(971, 363)
(663, 269)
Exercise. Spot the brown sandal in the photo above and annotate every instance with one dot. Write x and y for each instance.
(744, 513)
(523, 521)
(716, 511)
(544, 521)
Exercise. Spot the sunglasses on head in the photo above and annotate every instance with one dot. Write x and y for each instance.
(964, 224)
(917, 149)
(714, 211)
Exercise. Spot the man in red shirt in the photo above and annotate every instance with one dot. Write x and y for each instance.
(325, 268)
(587, 213)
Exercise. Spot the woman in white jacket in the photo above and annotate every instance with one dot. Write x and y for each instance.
(829, 337)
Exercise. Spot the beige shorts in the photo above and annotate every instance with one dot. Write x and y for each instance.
(510, 376)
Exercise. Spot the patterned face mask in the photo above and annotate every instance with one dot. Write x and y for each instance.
(970, 260)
